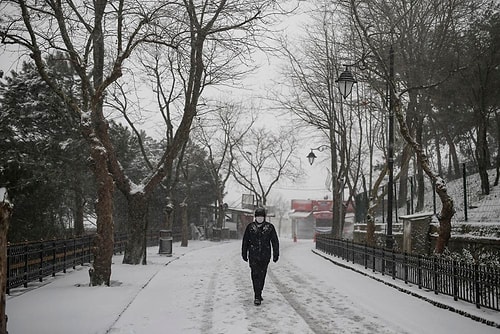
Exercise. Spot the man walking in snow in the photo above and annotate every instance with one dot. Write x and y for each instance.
(258, 239)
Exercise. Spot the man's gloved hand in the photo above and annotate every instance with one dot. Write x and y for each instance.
(244, 258)
(275, 258)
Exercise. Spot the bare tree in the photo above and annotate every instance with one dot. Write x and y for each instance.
(270, 158)
(314, 65)
(384, 33)
(219, 131)
(205, 54)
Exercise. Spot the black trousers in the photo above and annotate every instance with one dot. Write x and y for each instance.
(259, 271)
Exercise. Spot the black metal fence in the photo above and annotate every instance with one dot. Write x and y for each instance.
(473, 283)
(34, 261)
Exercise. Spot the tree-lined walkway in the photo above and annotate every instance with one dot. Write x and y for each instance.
(206, 288)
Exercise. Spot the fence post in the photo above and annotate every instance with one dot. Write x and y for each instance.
(54, 253)
(477, 290)
(393, 264)
(405, 266)
(74, 253)
(455, 280)
(354, 250)
(435, 272)
(25, 276)
(7, 290)
(40, 267)
(373, 259)
(383, 261)
(365, 256)
(419, 271)
(65, 256)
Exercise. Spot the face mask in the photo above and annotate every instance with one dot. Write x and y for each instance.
(259, 220)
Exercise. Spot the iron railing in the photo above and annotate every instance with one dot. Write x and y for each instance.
(33, 261)
(473, 283)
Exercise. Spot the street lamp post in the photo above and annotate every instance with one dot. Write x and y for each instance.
(389, 242)
(345, 83)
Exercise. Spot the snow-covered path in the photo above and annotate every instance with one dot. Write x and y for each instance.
(209, 291)
(206, 288)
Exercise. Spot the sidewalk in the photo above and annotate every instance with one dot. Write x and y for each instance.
(482, 315)
(37, 308)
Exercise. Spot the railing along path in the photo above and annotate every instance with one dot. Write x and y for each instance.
(473, 283)
(33, 261)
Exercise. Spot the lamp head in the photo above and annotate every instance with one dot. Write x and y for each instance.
(311, 156)
(345, 82)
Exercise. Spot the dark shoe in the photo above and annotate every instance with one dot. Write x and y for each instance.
(256, 302)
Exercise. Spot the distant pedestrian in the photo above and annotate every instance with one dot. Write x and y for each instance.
(258, 239)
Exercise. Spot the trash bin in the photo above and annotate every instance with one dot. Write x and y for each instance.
(216, 234)
(165, 242)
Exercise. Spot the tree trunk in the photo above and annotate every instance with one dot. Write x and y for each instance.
(438, 150)
(336, 195)
(373, 202)
(220, 208)
(169, 208)
(5, 212)
(420, 173)
(136, 228)
(403, 176)
(370, 230)
(103, 253)
(104, 241)
(447, 209)
(453, 155)
(444, 217)
(498, 149)
(370, 223)
(482, 153)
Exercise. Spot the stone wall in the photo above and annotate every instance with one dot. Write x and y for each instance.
(480, 240)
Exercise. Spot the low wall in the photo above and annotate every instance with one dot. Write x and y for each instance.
(480, 240)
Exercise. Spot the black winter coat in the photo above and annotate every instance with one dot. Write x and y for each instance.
(257, 242)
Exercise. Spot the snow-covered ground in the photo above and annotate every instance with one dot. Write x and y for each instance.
(206, 288)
